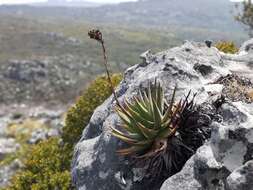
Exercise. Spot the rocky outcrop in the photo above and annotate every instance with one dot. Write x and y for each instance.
(46, 81)
(241, 178)
(195, 67)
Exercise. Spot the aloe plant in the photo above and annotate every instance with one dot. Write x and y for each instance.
(161, 136)
(148, 122)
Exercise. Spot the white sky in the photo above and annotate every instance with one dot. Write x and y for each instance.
(33, 1)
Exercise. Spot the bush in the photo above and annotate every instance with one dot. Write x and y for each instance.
(79, 115)
(45, 167)
(47, 164)
(227, 47)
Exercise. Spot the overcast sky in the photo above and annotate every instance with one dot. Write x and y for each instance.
(32, 1)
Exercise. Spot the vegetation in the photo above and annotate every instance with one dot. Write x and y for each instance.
(245, 16)
(21, 132)
(146, 122)
(227, 47)
(161, 136)
(79, 115)
(46, 167)
(47, 164)
(39, 38)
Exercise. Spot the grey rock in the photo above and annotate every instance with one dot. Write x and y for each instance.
(3, 125)
(201, 172)
(231, 140)
(53, 133)
(6, 172)
(247, 46)
(184, 180)
(97, 166)
(42, 134)
(7, 146)
(38, 135)
(115, 170)
(147, 57)
(241, 178)
(209, 173)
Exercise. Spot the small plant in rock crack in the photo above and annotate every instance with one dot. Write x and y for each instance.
(161, 135)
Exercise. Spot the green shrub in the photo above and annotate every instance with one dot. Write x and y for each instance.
(46, 167)
(227, 47)
(47, 164)
(79, 115)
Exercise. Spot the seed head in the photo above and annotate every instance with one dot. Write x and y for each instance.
(96, 35)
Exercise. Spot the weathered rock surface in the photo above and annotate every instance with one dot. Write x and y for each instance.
(232, 139)
(183, 180)
(247, 46)
(241, 178)
(193, 66)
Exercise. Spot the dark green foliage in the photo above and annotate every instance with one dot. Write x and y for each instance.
(79, 115)
(47, 164)
(192, 131)
(227, 47)
(246, 15)
(46, 167)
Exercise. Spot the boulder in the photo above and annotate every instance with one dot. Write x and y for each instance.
(232, 139)
(184, 180)
(241, 178)
(192, 66)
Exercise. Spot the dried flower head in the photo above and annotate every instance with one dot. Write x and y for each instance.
(96, 35)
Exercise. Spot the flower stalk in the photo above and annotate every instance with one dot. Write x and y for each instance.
(98, 36)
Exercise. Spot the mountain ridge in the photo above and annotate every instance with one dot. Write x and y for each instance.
(204, 14)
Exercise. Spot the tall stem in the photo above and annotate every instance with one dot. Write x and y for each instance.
(108, 73)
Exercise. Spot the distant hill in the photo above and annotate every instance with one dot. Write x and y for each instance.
(55, 38)
(65, 3)
(203, 14)
(45, 60)
(215, 14)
